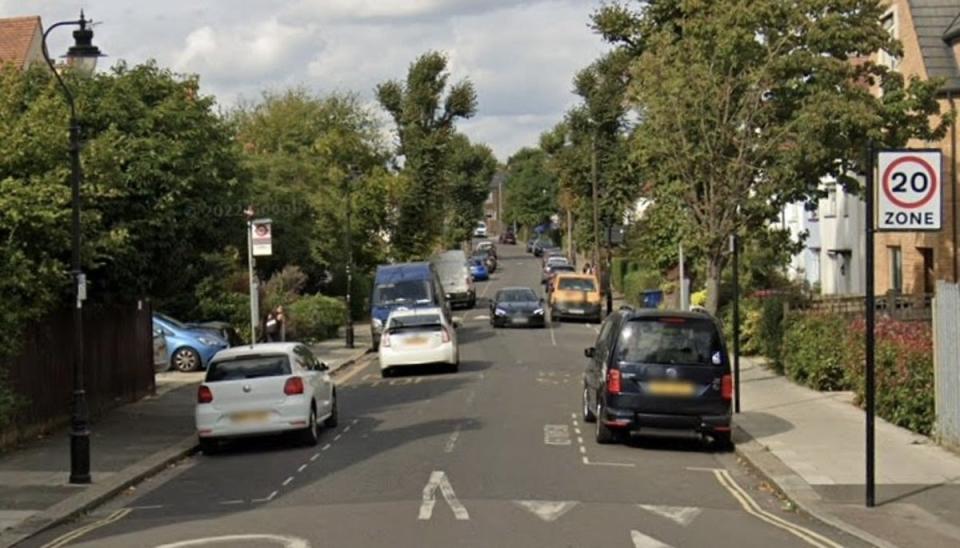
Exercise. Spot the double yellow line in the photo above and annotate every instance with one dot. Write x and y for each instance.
(77, 533)
(811, 537)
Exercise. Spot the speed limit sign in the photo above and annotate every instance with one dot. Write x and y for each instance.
(911, 190)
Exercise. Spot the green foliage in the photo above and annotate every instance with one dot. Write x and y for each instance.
(530, 188)
(638, 281)
(283, 288)
(315, 317)
(424, 121)
(472, 167)
(807, 356)
(10, 401)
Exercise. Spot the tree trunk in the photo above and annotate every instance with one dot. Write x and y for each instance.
(714, 268)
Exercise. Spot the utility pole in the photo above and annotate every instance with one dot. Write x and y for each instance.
(348, 236)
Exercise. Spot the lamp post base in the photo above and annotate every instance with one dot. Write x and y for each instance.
(80, 457)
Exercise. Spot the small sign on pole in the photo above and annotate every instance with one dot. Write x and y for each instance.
(911, 191)
(261, 237)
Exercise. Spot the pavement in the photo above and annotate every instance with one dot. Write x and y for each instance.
(495, 454)
(812, 446)
(129, 444)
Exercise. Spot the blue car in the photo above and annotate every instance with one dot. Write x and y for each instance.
(479, 270)
(188, 348)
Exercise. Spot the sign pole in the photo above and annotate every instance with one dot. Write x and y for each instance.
(871, 310)
(735, 247)
(253, 284)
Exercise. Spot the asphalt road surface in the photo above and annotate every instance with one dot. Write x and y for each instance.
(493, 456)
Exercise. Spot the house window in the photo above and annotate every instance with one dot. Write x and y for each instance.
(830, 204)
(896, 268)
(889, 22)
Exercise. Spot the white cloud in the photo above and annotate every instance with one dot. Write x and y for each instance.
(520, 54)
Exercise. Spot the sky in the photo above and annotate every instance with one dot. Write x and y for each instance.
(520, 54)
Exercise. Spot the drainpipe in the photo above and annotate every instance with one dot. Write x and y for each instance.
(953, 182)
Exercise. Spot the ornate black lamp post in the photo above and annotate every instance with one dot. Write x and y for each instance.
(82, 57)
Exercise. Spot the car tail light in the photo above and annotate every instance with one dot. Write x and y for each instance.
(726, 387)
(204, 394)
(445, 334)
(613, 381)
(293, 386)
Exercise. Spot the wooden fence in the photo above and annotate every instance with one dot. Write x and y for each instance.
(118, 366)
(897, 306)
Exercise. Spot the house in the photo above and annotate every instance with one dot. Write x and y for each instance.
(21, 40)
(833, 236)
(911, 262)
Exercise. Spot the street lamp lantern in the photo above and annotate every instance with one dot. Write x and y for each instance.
(83, 55)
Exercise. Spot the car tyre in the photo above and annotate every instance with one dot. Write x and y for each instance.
(605, 435)
(209, 446)
(723, 441)
(185, 359)
(334, 418)
(310, 435)
(588, 415)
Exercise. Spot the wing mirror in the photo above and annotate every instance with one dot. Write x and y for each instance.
(589, 352)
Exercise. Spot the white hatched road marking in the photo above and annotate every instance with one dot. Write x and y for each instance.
(643, 541)
(438, 480)
(681, 515)
(556, 434)
(547, 510)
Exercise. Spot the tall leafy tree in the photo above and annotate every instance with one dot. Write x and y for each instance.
(530, 188)
(747, 104)
(425, 122)
(471, 169)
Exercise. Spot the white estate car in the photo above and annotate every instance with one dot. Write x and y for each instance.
(264, 389)
(480, 231)
(418, 336)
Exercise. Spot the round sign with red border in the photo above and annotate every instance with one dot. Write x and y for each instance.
(911, 192)
(915, 179)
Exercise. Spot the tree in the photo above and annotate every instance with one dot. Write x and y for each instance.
(747, 104)
(424, 121)
(471, 169)
(530, 188)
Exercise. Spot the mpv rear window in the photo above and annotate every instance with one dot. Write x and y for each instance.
(670, 341)
(248, 367)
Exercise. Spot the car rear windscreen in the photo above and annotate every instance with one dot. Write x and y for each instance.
(248, 367)
(415, 323)
(670, 341)
(576, 284)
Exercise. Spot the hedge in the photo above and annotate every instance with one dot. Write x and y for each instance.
(810, 352)
(315, 317)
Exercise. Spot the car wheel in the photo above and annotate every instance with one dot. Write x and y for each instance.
(186, 359)
(310, 435)
(209, 446)
(386, 373)
(605, 435)
(588, 415)
(334, 417)
(723, 441)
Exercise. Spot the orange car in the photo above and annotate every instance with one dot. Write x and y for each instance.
(575, 296)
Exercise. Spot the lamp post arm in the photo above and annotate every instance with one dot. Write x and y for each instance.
(46, 57)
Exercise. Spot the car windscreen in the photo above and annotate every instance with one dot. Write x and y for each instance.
(248, 367)
(670, 341)
(516, 296)
(419, 322)
(175, 323)
(577, 284)
(403, 292)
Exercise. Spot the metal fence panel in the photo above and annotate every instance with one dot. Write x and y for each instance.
(946, 343)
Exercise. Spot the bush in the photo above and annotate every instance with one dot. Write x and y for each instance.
(904, 371)
(315, 317)
(638, 281)
(749, 326)
(811, 352)
(10, 402)
(214, 301)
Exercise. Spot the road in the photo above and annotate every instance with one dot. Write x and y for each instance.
(493, 456)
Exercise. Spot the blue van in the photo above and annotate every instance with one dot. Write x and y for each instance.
(403, 285)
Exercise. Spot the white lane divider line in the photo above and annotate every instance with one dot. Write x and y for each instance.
(347, 428)
(354, 421)
(438, 480)
(337, 437)
(681, 515)
(751, 507)
(583, 450)
(233, 540)
(643, 541)
(556, 434)
(452, 440)
(238, 501)
(267, 498)
(325, 447)
(579, 438)
(576, 430)
(315, 457)
(598, 463)
(302, 468)
(67, 538)
(574, 416)
(547, 510)
(287, 481)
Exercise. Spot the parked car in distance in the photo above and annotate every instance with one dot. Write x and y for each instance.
(481, 230)
(541, 244)
(653, 370)
(554, 260)
(478, 270)
(517, 306)
(486, 246)
(451, 267)
(224, 330)
(508, 238)
(551, 272)
(488, 257)
(530, 243)
(264, 389)
(422, 336)
(575, 296)
(551, 253)
(403, 285)
(188, 348)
